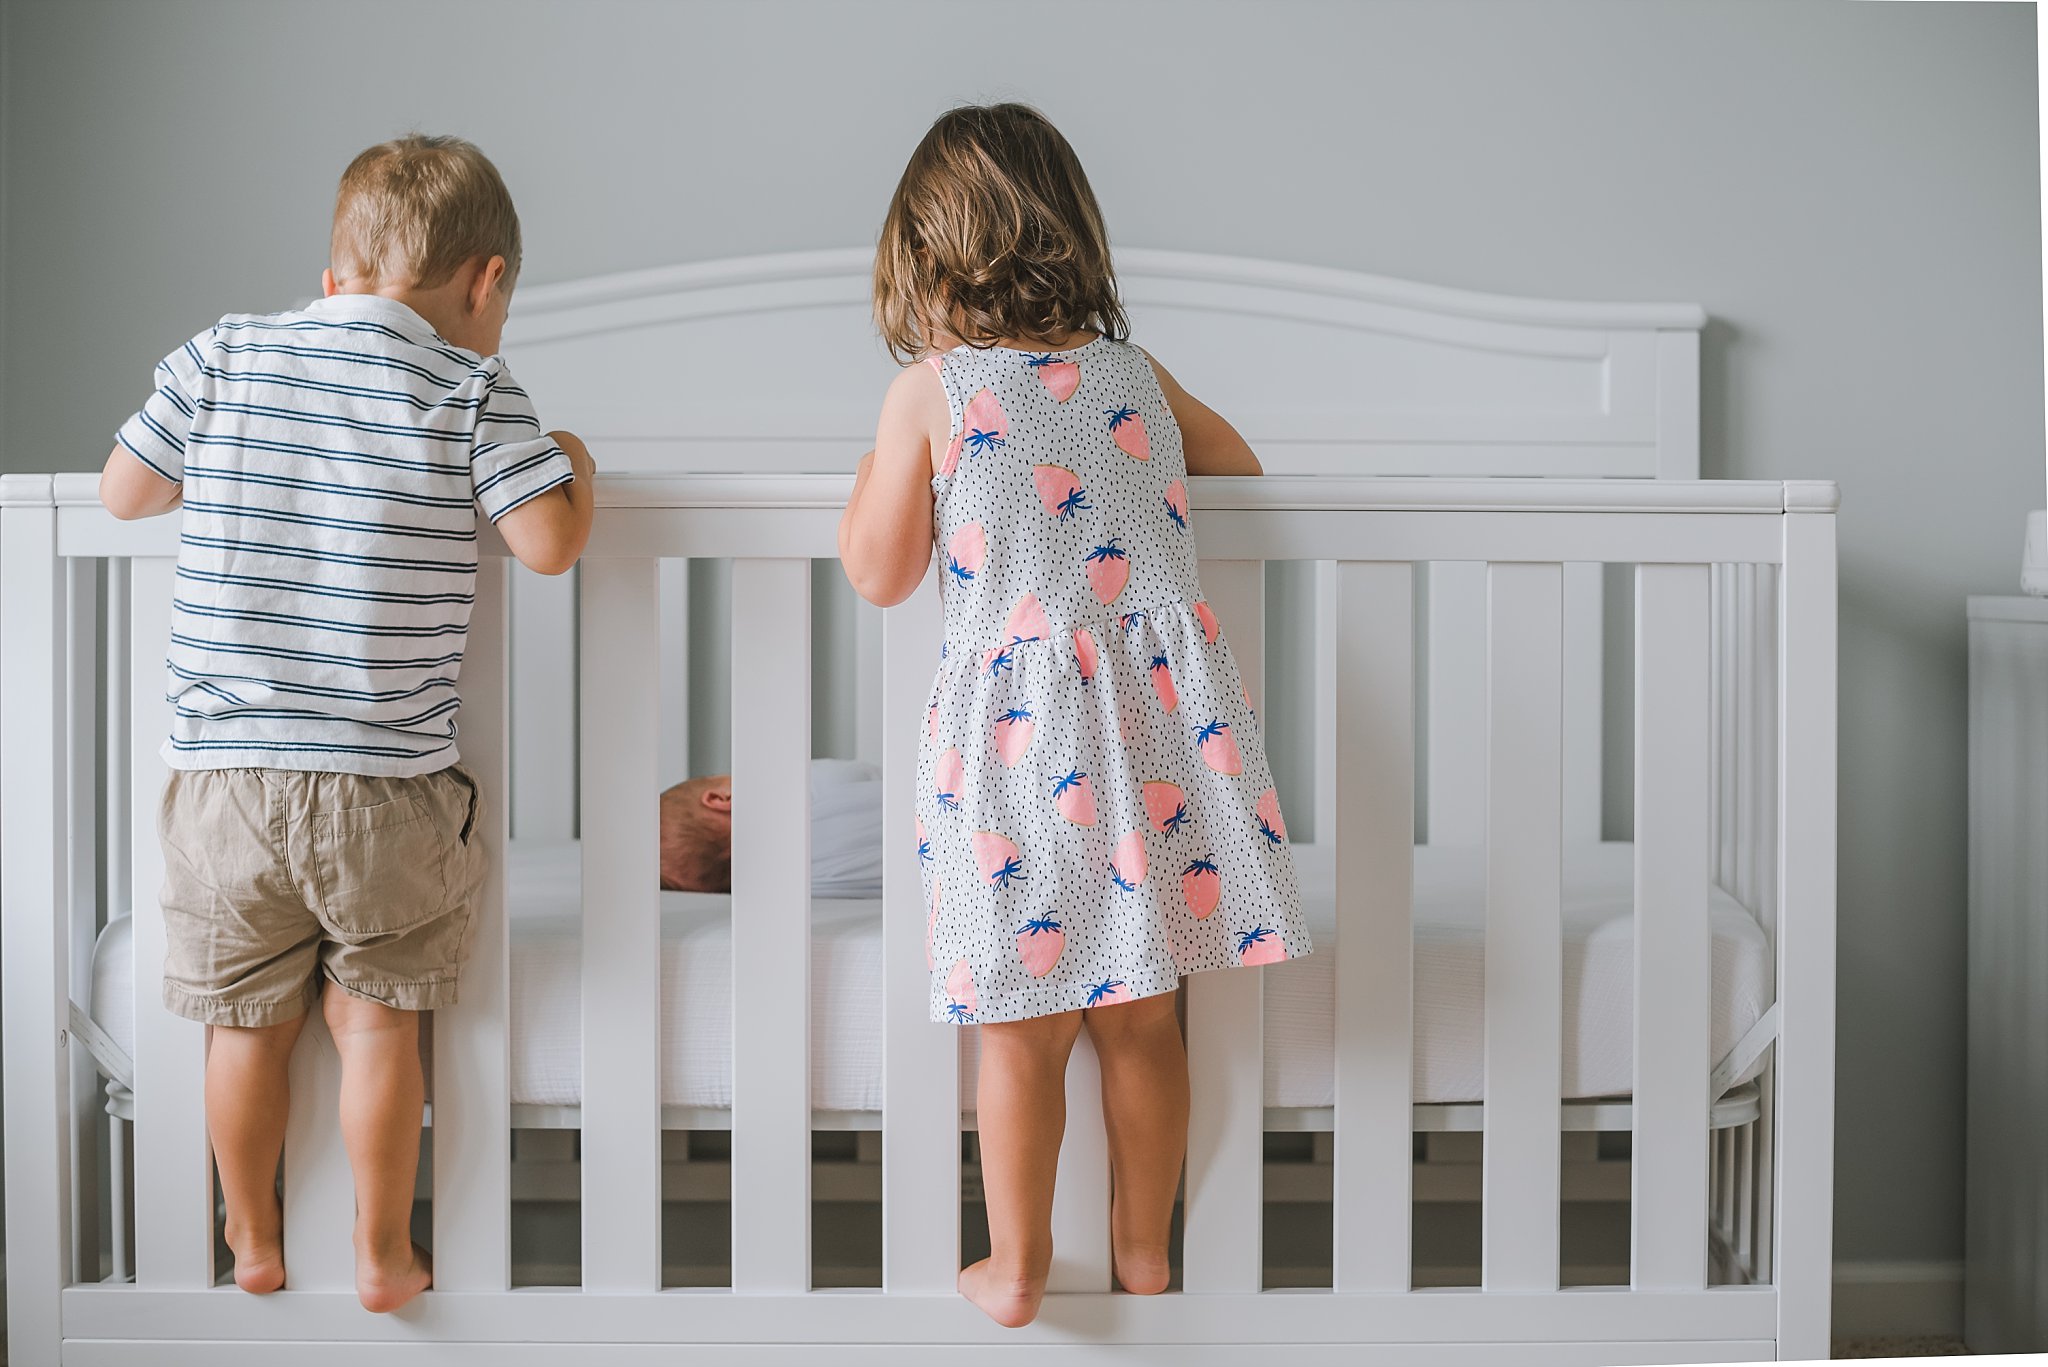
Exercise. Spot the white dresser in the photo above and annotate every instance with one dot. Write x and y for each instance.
(2006, 1278)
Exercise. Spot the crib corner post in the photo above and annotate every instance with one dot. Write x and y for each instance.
(1805, 1066)
(34, 930)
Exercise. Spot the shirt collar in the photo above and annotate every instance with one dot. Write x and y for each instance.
(374, 307)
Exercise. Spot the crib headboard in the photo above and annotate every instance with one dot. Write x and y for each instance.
(689, 368)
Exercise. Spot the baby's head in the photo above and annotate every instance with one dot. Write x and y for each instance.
(428, 220)
(696, 835)
(993, 234)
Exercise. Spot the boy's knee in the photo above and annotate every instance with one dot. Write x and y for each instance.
(348, 1014)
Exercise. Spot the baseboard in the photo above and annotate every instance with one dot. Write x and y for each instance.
(1898, 1298)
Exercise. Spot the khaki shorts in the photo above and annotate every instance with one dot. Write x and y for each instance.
(274, 877)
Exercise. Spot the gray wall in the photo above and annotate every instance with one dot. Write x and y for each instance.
(1850, 190)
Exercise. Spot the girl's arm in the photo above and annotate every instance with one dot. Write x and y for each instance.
(1211, 444)
(885, 535)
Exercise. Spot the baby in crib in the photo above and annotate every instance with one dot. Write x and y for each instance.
(1094, 807)
(846, 831)
(320, 839)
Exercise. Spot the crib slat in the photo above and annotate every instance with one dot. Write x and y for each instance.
(1584, 633)
(173, 1176)
(1325, 699)
(81, 791)
(1805, 1062)
(543, 792)
(870, 690)
(771, 925)
(1524, 940)
(621, 822)
(675, 671)
(1080, 1202)
(319, 1194)
(32, 877)
(472, 1093)
(1668, 1202)
(1226, 1031)
(920, 1065)
(1372, 826)
(1457, 702)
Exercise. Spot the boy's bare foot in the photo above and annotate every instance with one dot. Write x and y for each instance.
(1010, 1301)
(259, 1254)
(1140, 1271)
(386, 1284)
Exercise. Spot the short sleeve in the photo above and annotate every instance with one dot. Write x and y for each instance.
(512, 461)
(156, 434)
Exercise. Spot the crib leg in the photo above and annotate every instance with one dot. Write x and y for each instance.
(122, 1268)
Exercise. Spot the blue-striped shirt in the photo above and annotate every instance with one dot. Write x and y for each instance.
(333, 460)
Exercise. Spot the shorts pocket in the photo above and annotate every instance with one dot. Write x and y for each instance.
(379, 870)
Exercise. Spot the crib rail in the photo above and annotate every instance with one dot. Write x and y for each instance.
(1523, 534)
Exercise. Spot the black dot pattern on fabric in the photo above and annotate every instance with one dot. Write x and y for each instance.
(1095, 813)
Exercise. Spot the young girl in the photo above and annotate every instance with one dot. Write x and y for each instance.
(1095, 814)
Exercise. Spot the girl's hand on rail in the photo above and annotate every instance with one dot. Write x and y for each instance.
(1212, 446)
(129, 489)
(885, 535)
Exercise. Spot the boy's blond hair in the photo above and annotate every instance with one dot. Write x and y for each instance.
(411, 211)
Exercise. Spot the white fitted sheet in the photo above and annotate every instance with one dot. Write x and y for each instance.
(846, 974)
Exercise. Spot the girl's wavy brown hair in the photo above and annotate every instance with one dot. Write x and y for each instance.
(993, 233)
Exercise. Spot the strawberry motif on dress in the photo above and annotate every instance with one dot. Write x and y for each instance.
(1176, 501)
(1060, 491)
(1013, 734)
(1219, 747)
(1108, 992)
(985, 425)
(961, 1003)
(1060, 378)
(1085, 656)
(1074, 799)
(1127, 863)
(924, 844)
(1260, 945)
(1207, 617)
(1267, 814)
(1127, 429)
(1201, 886)
(1165, 806)
(1162, 683)
(949, 780)
(998, 858)
(966, 552)
(1109, 569)
(1039, 945)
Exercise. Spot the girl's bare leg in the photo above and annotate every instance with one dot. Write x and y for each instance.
(1145, 1108)
(1022, 1108)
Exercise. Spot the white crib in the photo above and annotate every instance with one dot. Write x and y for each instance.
(1734, 785)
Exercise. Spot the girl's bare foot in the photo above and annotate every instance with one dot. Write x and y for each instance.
(259, 1251)
(385, 1284)
(1139, 1270)
(259, 1260)
(1010, 1301)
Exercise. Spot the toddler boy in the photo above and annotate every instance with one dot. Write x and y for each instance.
(318, 830)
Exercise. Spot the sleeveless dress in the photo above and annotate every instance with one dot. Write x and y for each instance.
(1095, 813)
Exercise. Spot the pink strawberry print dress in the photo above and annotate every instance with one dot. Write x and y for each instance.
(1095, 814)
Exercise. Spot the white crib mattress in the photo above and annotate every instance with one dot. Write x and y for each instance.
(846, 972)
